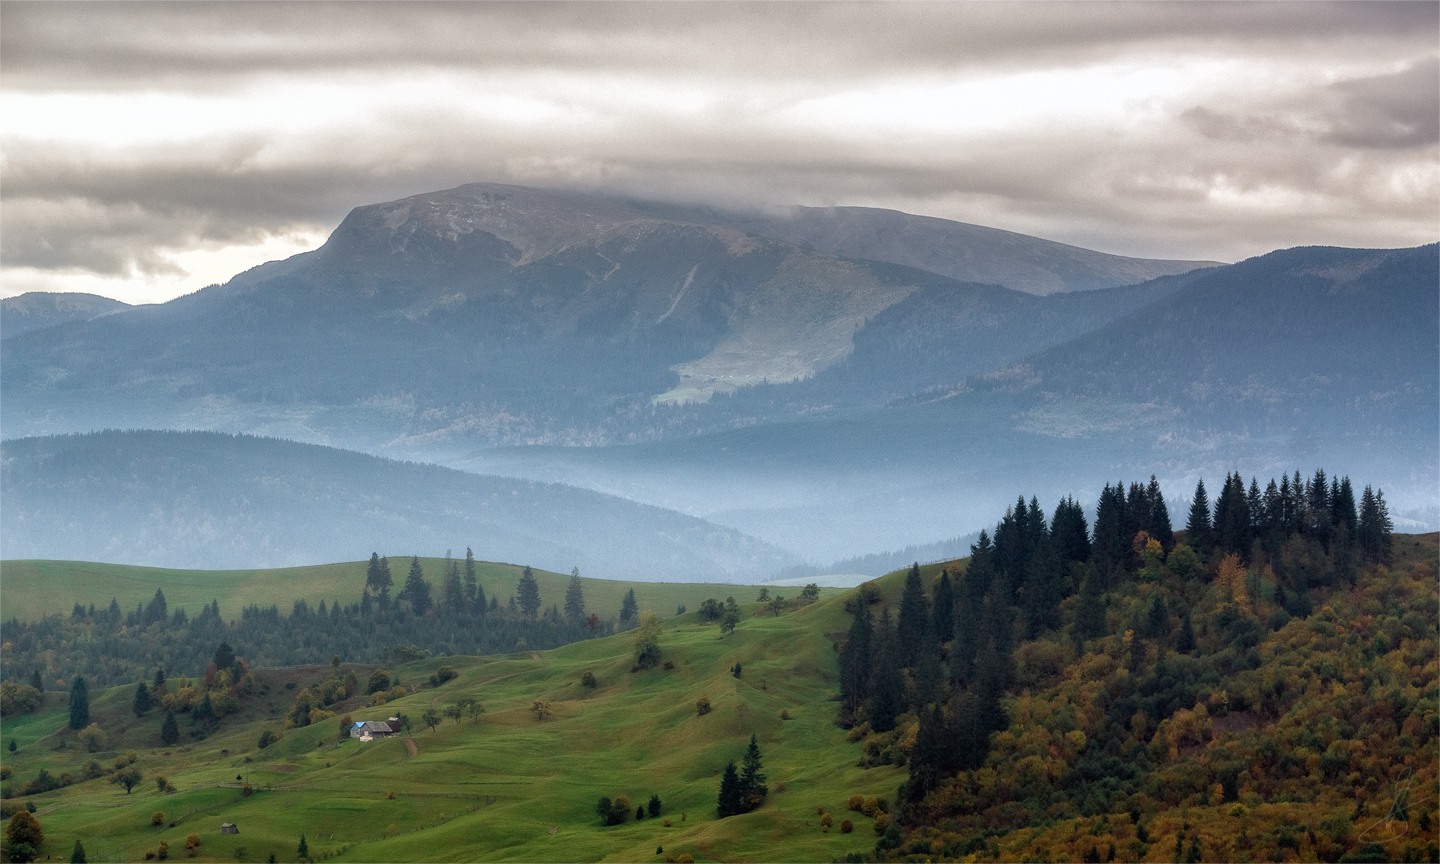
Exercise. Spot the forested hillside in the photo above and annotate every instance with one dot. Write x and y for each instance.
(1261, 685)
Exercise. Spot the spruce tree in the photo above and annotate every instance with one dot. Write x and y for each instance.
(77, 855)
(378, 579)
(886, 686)
(416, 590)
(942, 621)
(1159, 526)
(1197, 526)
(730, 801)
(474, 598)
(142, 701)
(528, 593)
(752, 779)
(575, 598)
(914, 618)
(452, 591)
(169, 730)
(855, 659)
(628, 607)
(79, 704)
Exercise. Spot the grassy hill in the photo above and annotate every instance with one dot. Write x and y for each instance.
(505, 788)
(30, 589)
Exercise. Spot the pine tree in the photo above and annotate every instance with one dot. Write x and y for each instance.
(77, 855)
(79, 704)
(575, 598)
(1069, 533)
(855, 659)
(1111, 551)
(169, 730)
(528, 594)
(1197, 527)
(628, 607)
(914, 618)
(752, 779)
(886, 686)
(1374, 528)
(303, 850)
(416, 590)
(452, 591)
(929, 756)
(730, 801)
(142, 702)
(378, 579)
(474, 596)
(942, 622)
(1159, 525)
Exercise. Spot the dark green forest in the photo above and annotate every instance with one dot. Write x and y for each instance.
(1270, 656)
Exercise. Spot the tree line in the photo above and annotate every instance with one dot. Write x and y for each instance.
(110, 646)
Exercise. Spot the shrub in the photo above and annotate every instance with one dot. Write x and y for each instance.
(882, 822)
(266, 739)
(442, 675)
(825, 822)
(846, 826)
(856, 803)
(702, 706)
(587, 679)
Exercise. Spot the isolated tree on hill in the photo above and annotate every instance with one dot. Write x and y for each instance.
(142, 702)
(647, 640)
(416, 590)
(77, 855)
(378, 579)
(79, 704)
(628, 607)
(528, 593)
(575, 598)
(752, 778)
(128, 777)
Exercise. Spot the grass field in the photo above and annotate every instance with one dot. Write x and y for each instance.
(505, 788)
(30, 590)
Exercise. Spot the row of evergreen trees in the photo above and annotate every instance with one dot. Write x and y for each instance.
(112, 647)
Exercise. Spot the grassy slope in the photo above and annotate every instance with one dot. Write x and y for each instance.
(635, 734)
(31, 589)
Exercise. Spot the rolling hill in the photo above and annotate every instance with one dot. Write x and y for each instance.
(37, 310)
(195, 499)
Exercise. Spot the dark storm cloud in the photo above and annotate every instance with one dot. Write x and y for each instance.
(718, 102)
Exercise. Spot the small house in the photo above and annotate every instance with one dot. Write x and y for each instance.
(368, 729)
(229, 828)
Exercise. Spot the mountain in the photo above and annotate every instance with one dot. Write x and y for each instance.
(192, 499)
(964, 252)
(37, 310)
(503, 314)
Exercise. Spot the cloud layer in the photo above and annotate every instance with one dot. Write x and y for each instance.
(141, 138)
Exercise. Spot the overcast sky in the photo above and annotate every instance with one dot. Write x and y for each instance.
(149, 150)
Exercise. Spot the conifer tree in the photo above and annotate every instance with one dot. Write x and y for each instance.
(1069, 533)
(142, 701)
(1111, 552)
(855, 659)
(628, 607)
(1197, 526)
(452, 590)
(575, 598)
(886, 687)
(752, 778)
(730, 801)
(169, 730)
(942, 621)
(79, 704)
(1159, 525)
(527, 592)
(378, 579)
(474, 598)
(416, 590)
(914, 618)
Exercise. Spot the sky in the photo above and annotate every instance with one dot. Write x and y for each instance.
(149, 150)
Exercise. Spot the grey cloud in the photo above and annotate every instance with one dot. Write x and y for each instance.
(1399, 110)
(60, 45)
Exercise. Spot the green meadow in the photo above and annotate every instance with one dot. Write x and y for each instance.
(31, 589)
(508, 786)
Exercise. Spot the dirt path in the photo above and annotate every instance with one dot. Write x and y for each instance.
(411, 746)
